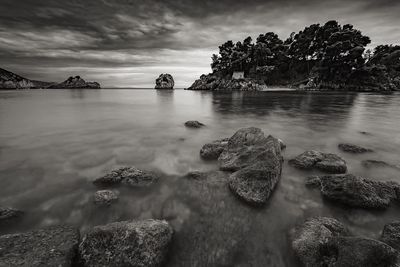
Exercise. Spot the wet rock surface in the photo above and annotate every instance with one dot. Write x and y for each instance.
(53, 246)
(130, 176)
(325, 162)
(391, 234)
(212, 151)
(356, 191)
(165, 81)
(129, 243)
(353, 148)
(7, 214)
(105, 197)
(327, 242)
(194, 124)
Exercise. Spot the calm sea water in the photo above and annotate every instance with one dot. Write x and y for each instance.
(54, 143)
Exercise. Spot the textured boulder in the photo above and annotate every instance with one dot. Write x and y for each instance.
(129, 243)
(326, 162)
(75, 83)
(213, 150)
(105, 197)
(194, 124)
(391, 234)
(127, 175)
(327, 242)
(7, 214)
(353, 148)
(356, 191)
(165, 81)
(53, 246)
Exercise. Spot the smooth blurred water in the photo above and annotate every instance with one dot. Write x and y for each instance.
(54, 142)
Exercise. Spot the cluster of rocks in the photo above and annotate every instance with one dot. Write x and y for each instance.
(254, 160)
(216, 83)
(327, 242)
(127, 243)
(165, 81)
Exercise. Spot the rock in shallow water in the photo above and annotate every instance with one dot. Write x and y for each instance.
(127, 175)
(369, 163)
(7, 213)
(165, 81)
(353, 148)
(391, 234)
(194, 124)
(356, 191)
(105, 197)
(326, 162)
(212, 150)
(53, 246)
(129, 243)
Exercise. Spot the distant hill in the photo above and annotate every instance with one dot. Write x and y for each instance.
(9, 80)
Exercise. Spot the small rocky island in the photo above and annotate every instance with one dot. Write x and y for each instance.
(165, 81)
(319, 57)
(75, 83)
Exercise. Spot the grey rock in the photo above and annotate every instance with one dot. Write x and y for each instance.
(53, 246)
(129, 243)
(105, 197)
(353, 148)
(356, 191)
(391, 234)
(165, 81)
(213, 150)
(370, 163)
(194, 124)
(7, 213)
(127, 175)
(326, 162)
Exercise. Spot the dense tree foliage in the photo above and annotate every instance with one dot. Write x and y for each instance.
(329, 54)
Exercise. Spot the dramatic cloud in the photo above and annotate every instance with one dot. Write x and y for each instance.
(128, 43)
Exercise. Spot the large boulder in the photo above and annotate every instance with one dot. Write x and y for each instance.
(130, 176)
(326, 162)
(353, 148)
(129, 243)
(391, 234)
(213, 150)
(356, 191)
(53, 246)
(7, 213)
(327, 242)
(165, 81)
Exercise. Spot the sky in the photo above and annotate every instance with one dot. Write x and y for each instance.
(128, 43)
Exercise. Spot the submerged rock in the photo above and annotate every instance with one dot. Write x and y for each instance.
(353, 148)
(326, 162)
(213, 150)
(327, 242)
(194, 124)
(370, 163)
(127, 175)
(105, 197)
(53, 246)
(7, 213)
(356, 191)
(391, 234)
(165, 81)
(129, 243)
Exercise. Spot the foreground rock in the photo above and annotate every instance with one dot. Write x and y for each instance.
(7, 214)
(194, 124)
(105, 197)
(327, 242)
(326, 162)
(213, 150)
(391, 235)
(353, 148)
(130, 176)
(75, 83)
(370, 163)
(356, 191)
(134, 243)
(165, 81)
(54, 246)
(217, 83)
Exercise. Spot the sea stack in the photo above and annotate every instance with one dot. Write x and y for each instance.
(165, 81)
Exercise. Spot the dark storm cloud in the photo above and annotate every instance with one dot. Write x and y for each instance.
(128, 42)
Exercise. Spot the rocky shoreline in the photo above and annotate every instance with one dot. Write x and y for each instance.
(250, 169)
